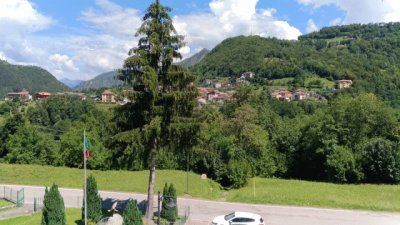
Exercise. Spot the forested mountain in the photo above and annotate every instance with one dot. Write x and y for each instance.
(367, 54)
(194, 59)
(103, 80)
(31, 78)
(71, 83)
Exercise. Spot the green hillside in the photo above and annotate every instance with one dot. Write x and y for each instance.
(104, 80)
(367, 54)
(31, 78)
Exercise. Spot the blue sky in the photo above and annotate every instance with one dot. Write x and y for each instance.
(79, 39)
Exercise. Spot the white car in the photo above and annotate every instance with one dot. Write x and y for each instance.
(238, 218)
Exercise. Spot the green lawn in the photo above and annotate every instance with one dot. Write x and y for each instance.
(325, 82)
(73, 217)
(4, 203)
(283, 82)
(306, 193)
(108, 180)
(267, 191)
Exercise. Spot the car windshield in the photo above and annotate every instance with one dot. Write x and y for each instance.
(229, 216)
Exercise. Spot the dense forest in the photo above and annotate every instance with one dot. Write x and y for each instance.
(352, 136)
(367, 54)
(14, 78)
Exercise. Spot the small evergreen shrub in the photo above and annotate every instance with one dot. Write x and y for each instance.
(53, 212)
(132, 215)
(169, 209)
(94, 212)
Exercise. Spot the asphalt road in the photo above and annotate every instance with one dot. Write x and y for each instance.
(203, 211)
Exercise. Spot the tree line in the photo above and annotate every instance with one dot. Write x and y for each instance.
(352, 138)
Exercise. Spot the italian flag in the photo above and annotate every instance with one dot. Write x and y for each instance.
(87, 148)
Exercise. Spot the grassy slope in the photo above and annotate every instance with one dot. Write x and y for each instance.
(306, 193)
(107, 180)
(282, 82)
(271, 191)
(72, 217)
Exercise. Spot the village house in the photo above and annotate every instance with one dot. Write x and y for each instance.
(108, 96)
(243, 79)
(282, 94)
(248, 75)
(344, 83)
(208, 95)
(300, 95)
(22, 95)
(42, 95)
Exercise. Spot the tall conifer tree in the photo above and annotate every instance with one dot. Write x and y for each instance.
(161, 93)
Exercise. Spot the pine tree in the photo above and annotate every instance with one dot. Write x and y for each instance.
(53, 212)
(131, 214)
(161, 94)
(94, 212)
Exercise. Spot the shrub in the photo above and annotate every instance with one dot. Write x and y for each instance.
(132, 215)
(238, 173)
(93, 201)
(341, 166)
(168, 211)
(53, 212)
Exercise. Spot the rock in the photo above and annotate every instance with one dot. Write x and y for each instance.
(116, 219)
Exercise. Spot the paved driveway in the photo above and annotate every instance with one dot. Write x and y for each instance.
(202, 211)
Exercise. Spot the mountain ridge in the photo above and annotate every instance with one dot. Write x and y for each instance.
(15, 78)
(104, 80)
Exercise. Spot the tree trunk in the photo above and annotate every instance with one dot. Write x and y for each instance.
(150, 195)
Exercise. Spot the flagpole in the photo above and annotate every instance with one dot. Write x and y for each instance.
(84, 166)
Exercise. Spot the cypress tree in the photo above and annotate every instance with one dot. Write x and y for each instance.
(94, 212)
(53, 212)
(132, 215)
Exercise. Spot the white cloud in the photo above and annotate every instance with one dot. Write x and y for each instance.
(63, 63)
(311, 26)
(335, 22)
(362, 11)
(3, 56)
(18, 20)
(229, 18)
(21, 14)
(109, 33)
(112, 18)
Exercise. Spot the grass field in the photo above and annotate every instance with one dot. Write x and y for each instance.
(283, 82)
(73, 217)
(4, 203)
(258, 190)
(327, 195)
(108, 180)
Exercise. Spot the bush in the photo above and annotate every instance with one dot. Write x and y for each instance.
(380, 161)
(238, 173)
(169, 212)
(341, 166)
(93, 201)
(132, 215)
(53, 212)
